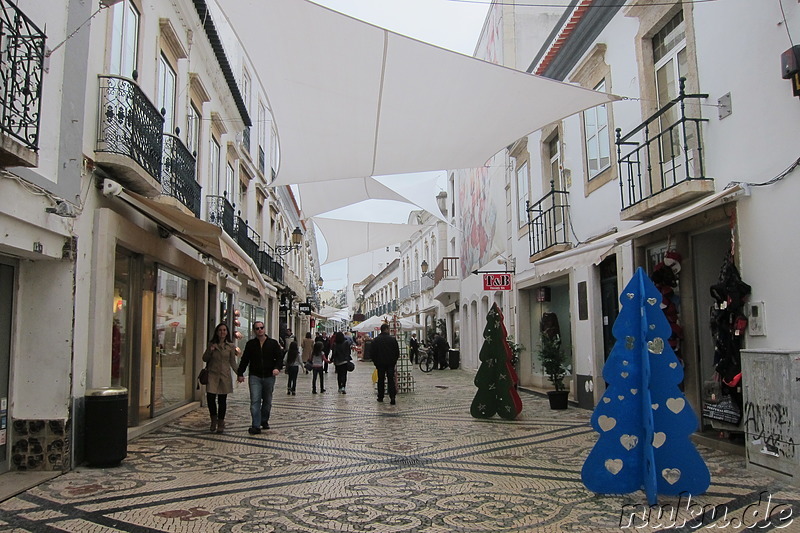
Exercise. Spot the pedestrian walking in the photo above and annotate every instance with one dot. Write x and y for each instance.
(292, 367)
(220, 358)
(441, 349)
(413, 352)
(318, 360)
(264, 356)
(385, 353)
(341, 359)
(307, 346)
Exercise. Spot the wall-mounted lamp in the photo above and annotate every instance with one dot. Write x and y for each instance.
(320, 281)
(297, 237)
(424, 268)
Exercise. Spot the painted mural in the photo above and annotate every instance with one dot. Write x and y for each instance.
(480, 206)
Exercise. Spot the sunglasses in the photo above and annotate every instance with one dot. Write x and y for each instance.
(259, 327)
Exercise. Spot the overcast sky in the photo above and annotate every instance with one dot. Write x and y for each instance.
(446, 23)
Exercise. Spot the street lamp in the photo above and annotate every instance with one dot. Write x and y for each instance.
(320, 281)
(297, 237)
(424, 268)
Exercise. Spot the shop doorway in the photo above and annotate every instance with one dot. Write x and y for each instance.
(6, 312)
(709, 250)
(609, 301)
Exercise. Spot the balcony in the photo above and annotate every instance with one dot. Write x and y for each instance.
(548, 221)
(177, 174)
(405, 293)
(447, 280)
(246, 139)
(426, 283)
(219, 211)
(269, 264)
(413, 288)
(665, 169)
(21, 72)
(247, 239)
(129, 135)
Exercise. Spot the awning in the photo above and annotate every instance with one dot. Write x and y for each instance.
(347, 238)
(680, 214)
(205, 237)
(590, 254)
(593, 253)
(372, 102)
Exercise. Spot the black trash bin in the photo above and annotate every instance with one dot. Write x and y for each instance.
(455, 359)
(366, 354)
(106, 426)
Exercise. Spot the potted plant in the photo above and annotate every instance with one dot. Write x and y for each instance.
(551, 355)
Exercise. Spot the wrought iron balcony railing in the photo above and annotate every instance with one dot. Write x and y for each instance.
(247, 238)
(220, 212)
(669, 151)
(548, 221)
(405, 293)
(130, 124)
(246, 139)
(21, 72)
(177, 174)
(270, 263)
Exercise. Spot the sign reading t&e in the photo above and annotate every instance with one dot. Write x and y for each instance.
(497, 282)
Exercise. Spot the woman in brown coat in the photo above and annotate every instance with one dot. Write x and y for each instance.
(307, 347)
(221, 358)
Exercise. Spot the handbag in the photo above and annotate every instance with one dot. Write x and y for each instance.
(725, 410)
(202, 377)
(308, 366)
(350, 366)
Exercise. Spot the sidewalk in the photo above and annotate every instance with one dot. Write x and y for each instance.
(346, 463)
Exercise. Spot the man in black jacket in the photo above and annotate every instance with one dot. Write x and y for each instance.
(265, 358)
(385, 353)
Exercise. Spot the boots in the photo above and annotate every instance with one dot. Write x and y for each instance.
(221, 426)
(214, 424)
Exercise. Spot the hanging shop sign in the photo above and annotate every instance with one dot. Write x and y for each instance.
(304, 308)
(497, 281)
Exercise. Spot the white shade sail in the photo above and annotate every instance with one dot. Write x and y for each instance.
(351, 99)
(347, 238)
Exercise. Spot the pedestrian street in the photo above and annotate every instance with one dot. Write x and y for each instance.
(346, 463)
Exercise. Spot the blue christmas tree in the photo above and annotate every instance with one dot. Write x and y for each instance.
(644, 419)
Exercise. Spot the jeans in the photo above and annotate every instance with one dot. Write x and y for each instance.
(341, 375)
(292, 372)
(260, 398)
(318, 372)
(386, 373)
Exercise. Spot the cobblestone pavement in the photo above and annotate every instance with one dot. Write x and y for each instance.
(346, 463)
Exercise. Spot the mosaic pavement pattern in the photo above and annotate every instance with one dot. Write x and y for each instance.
(346, 463)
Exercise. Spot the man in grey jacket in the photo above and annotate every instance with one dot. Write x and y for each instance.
(385, 353)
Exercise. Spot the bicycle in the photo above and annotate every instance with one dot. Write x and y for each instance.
(425, 360)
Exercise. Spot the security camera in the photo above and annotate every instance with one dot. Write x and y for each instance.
(111, 188)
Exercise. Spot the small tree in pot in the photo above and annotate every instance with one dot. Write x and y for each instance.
(553, 359)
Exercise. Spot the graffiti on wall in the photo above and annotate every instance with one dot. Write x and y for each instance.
(770, 425)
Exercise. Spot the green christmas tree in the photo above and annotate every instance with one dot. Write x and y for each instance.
(496, 378)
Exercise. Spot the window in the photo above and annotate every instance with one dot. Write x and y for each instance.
(523, 193)
(262, 125)
(165, 100)
(598, 148)
(229, 175)
(215, 161)
(124, 39)
(670, 61)
(554, 154)
(193, 121)
(246, 89)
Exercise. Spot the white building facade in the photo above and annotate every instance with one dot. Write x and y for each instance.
(140, 216)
